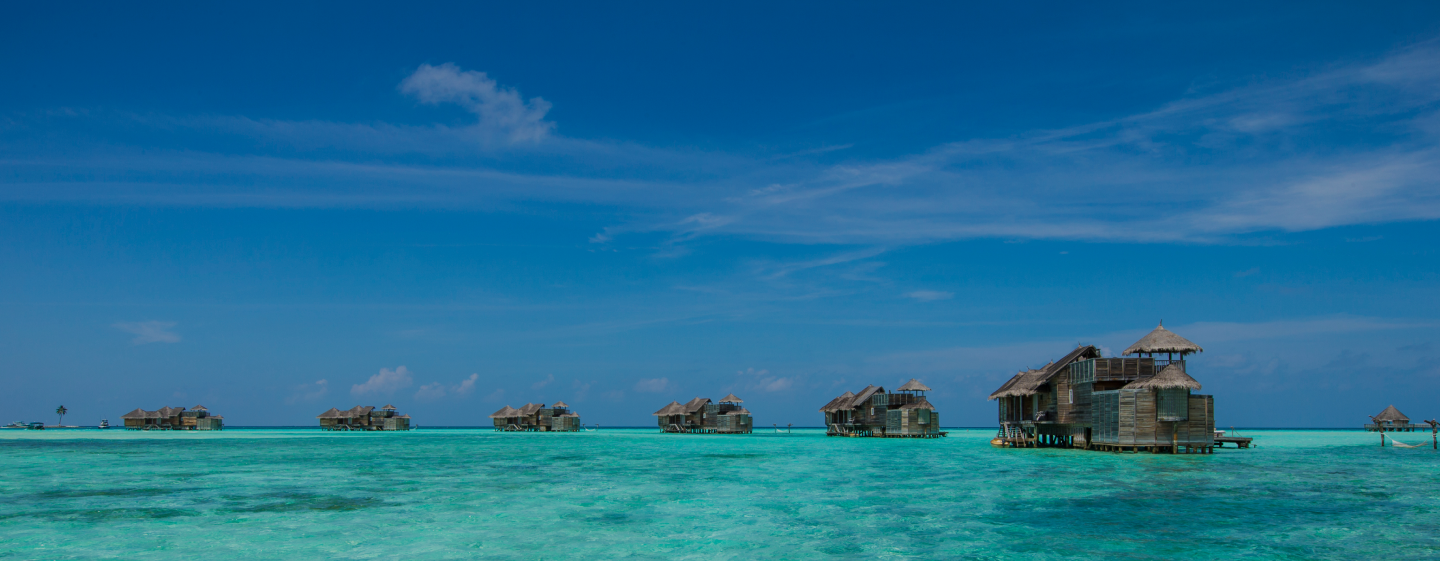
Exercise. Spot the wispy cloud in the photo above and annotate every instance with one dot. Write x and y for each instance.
(763, 380)
(542, 383)
(501, 110)
(1130, 178)
(653, 385)
(929, 295)
(385, 382)
(149, 331)
(310, 392)
(437, 390)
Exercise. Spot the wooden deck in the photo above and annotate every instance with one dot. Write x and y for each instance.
(1238, 441)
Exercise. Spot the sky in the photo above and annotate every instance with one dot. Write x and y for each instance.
(275, 209)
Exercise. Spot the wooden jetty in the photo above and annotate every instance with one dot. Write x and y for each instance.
(1083, 400)
(173, 418)
(536, 417)
(904, 413)
(364, 418)
(701, 416)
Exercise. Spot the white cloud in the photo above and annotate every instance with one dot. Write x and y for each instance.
(653, 385)
(310, 392)
(467, 385)
(149, 331)
(434, 390)
(496, 395)
(437, 390)
(387, 381)
(929, 295)
(501, 110)
(542, 383)
(762, 380)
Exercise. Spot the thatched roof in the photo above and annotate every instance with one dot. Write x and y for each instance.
(1162, 340)
(560, 405)
(530, 409)
(199, 408)
(864, 396)
(505, 413)
(388, 407)
(333, 413)
(1027, 381)
(838, 403)
(674, 408)
(921, 403)
(359, 410)
(167, 412)
(740, 411)
(1392, 414)
(696, 404)
(1173, 376)
(730, 398)
(913, 386)
(136, 414)
(1022, 383)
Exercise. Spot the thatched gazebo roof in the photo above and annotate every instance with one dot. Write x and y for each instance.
(674, 408)
(1392, 414)
(838, 403)
(388, 407)
(913, 386)
(740, 411)
(199, 408)
(921, 403)
(1172, 377)
(505, 413)
(332, 413)
(730, 398)
(1162, 340)
(560, 405)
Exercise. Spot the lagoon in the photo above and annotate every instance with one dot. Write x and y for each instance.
(637, 494)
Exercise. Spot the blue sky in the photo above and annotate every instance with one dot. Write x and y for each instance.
(276, 209)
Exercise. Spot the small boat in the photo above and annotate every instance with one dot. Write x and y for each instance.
(14, 425)
(35, 426)
(104, 423)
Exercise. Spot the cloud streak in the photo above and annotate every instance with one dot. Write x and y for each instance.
(1272, 156)
(146, 332)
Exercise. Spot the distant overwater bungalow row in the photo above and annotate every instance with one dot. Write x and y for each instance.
(1145, 400)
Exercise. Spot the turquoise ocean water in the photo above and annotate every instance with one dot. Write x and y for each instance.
(635, 494)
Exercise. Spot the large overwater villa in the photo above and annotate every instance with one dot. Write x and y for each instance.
(701, 416)
(365, 418)
(536, 417)
(1137, 402)
(173, 418)
(904, 413)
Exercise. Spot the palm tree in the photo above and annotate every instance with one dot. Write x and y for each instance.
(61, 411)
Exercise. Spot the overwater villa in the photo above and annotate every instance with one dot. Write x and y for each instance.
(537, 417)
(364, 417)
(700, 416)
(173, 418)
(904, 413)
(1392, 420)
(1083, 400)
